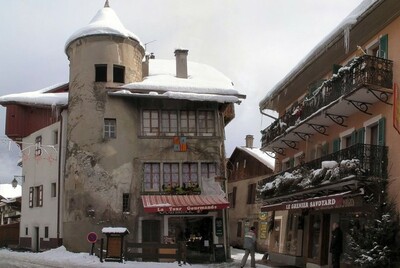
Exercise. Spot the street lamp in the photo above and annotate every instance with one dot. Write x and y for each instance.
(14, 182)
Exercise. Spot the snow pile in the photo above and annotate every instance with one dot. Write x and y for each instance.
(260, 155)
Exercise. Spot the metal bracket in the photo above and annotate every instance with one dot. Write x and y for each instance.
(291, 144)
(338, 119)
(319, 128)
(279, 150)
(302, 135)
(361, 106)
(383, 96)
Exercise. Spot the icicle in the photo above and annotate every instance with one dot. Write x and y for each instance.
(346, 38)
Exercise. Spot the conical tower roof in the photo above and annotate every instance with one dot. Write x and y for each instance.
(105, 22)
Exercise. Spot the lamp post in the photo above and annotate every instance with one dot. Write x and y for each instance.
(14, 182)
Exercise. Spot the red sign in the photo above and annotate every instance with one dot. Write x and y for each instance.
(92, 237)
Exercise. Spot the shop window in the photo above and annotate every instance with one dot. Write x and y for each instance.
(293, 224)
(100, 73)
(151, 177)
(110, 128)
(315, 235)
(119, 74)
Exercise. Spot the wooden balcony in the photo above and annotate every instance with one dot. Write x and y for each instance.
(357, 165)
(362, 82)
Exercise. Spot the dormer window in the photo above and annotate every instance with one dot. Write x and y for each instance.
(119, 74)
(101, 73)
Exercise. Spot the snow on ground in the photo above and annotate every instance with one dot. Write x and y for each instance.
(60, 257)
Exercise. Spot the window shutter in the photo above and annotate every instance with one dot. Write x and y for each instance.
(360, 135)
(381, 131)
(325, 149)
(30, 197)
(291, 162)
(234, 196)
(353, 138)
(383, 47)
(40, 196)
(336, 145)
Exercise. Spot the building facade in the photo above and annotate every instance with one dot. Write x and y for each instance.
(336, 136)
(246, 167)
(144, 144)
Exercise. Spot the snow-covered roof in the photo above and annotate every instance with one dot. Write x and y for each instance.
(42, 97)
(260, 155)
(342, 29)
(115, 230)
(7, 191)
(204, 83)
(105, 22)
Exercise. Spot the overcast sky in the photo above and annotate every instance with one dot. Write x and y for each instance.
(253, 42)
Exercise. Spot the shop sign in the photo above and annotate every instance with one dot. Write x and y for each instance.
(263, 216)
(313, 203)
(263, 230)
(219, 227)
(192, 212)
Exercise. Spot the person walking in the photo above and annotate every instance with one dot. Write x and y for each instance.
(250, 247)
(336, 245)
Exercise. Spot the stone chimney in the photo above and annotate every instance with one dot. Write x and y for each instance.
(146, 63)
(249, 141)
(181, 63)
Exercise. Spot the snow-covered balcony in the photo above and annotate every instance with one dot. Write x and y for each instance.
(345, 170)
(362, 82)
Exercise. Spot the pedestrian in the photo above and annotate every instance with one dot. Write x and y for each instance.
(336, 245)
(250, 247)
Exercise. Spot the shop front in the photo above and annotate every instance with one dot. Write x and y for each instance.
(300, 230)
(197, 222)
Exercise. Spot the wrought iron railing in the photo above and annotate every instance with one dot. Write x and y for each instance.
(366, 70)
(372, 161)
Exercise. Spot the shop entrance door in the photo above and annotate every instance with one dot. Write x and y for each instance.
(151, 233)
(318, 238)
(199, 235)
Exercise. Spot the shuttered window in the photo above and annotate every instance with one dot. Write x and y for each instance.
(381, 132)
(336, 145)
(383, 47)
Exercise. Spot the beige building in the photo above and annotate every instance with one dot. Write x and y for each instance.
(144, 143)
(336, 138)
(247, 166)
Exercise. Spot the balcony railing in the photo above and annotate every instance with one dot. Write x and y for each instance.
(368, 161)
(366, 70)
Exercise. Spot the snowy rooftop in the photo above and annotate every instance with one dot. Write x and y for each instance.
(260, 155)
(105, 22)
(115, 230)
(342, 29)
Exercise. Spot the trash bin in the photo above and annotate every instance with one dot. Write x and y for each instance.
(219, 253)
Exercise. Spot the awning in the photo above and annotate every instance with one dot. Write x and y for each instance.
(322, 202)
(182, 203)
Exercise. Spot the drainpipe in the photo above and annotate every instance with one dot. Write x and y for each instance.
(59, 180)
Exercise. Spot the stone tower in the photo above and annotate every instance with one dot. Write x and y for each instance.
(102, 54)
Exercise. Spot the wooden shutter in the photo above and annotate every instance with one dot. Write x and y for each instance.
(234, 196)
(360, 135)
(30, 197)
(353, 138)
(383, 47)
(381, 131)
(336, 145)
(40, 194)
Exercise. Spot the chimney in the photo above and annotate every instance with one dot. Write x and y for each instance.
(249, 141)
(145, 64)
(181, 63)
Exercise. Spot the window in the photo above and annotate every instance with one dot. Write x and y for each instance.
(251, 193)
(53, 189)
(150, 122)
(110, 128)
(119, 74)
(151, 176)
(169, 122)
(26, 230)
(38, 145)
(101, 73)
(206, 123)
(171, 174)
(208, 170)
(232, 200)
(46, 232)
(125, 202)
(188, 122)
(55, 137)
(373, 130)
(189, 174)
(36, 196)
